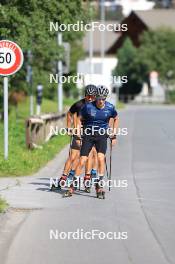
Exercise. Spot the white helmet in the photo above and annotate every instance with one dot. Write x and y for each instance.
(102, 91)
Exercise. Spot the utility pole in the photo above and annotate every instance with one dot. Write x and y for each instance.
(102, 18)
(60, 73)
(30, 80)
(91, 51)
(91, 45)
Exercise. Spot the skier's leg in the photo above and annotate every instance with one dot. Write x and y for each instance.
(101, 147)
(95, 163)
(87, 145)
(78, 171)
(75, 156)
(71, 163)
(92, 163)
(87, 183)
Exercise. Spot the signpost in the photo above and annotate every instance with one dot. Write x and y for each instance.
(11, 60)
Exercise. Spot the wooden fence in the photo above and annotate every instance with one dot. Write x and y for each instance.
(39, 129)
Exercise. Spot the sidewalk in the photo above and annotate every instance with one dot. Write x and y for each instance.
(21, 191)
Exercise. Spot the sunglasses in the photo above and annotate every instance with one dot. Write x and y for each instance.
(90, 96)
(100, 99)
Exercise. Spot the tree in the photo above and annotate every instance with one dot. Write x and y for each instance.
(27, 23)
(127, 66)
(156, 52)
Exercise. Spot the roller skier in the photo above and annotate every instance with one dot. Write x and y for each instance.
(95, 117)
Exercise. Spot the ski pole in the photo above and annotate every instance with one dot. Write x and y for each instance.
(107, 168)
(70, 143)
(110, 171)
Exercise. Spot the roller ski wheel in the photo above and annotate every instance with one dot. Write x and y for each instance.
(87, 190)
(52, 188)
(100, 194)
(67, 194)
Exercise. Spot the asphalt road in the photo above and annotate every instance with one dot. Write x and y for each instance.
(145, 209)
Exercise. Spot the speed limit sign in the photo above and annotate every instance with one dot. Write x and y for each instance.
(11, 57)
(11, 60)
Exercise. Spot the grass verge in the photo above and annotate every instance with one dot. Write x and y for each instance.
(22, 161)
(3, 205)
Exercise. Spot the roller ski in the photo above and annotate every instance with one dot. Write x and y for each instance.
(72, 185)
(87, 189)
(53, 188)
(87, 183)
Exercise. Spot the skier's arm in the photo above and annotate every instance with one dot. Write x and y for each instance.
(115, 129)
(115, 125)
(69, 119)
(79, 120)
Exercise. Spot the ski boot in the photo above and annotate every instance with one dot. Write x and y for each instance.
(76, 183)
(72, 185)
(87, 183)
(99, 189)
(60, 183)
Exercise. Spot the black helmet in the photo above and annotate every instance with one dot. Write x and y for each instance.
(90, 90)
(102, 91)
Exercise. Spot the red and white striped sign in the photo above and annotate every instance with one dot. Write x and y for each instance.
(11, 57)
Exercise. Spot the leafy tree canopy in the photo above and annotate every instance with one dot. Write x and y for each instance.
(27, 22)
(156, 53)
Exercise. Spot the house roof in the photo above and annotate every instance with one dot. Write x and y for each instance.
(110, 39)
(139, 21)
(157, 18)
(152, 19)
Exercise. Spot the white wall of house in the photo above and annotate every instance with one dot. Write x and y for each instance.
(97, 71)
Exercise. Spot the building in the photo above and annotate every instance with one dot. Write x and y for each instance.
(139, 21)
(109, 36)
(95, 68)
